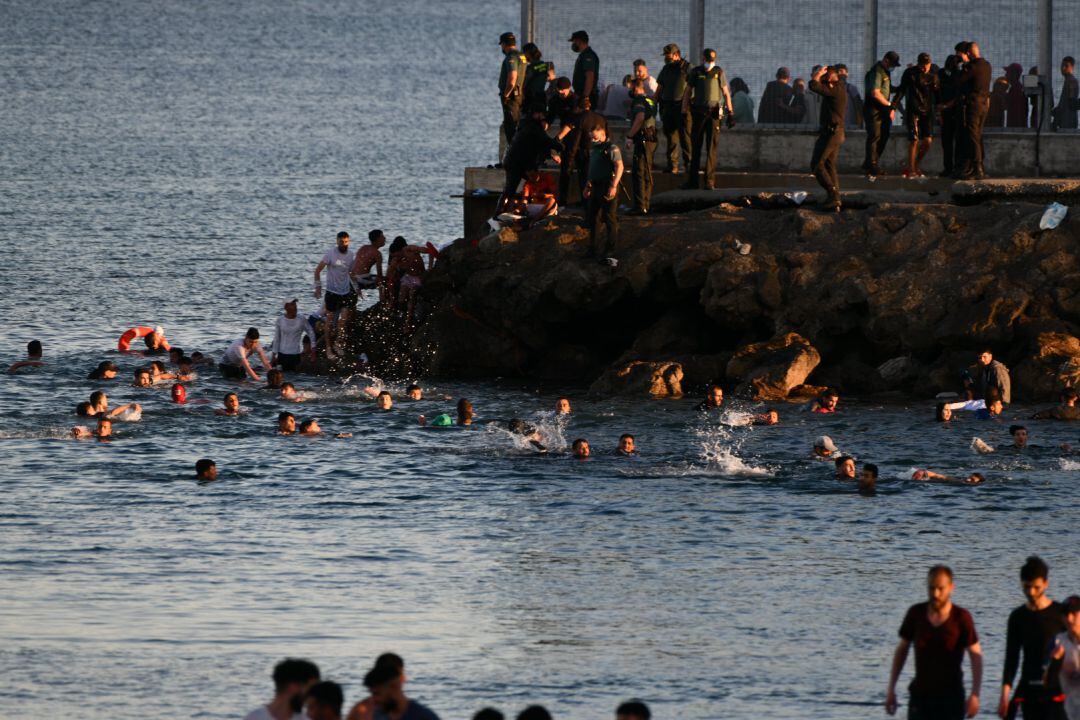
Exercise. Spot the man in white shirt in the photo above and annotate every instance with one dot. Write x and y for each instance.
(288, 331)
(641, 72)
(292, 679)
(235, 364)
(340, 295)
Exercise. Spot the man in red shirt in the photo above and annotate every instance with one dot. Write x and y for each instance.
(941, 632)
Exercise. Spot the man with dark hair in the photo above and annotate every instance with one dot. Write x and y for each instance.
(365, 709)
(974, 81)
(714, 397)
(324, 701)
(1069, 409)
(949, 106)
(920, 87)
(941, 633)
(235, 364)
(823, 163)
(366, 258)
(286, 423)
(670, 88)
(641, 140)
(1031, 630)
(586, 68)
(845, 468)
(633, 710)
(580, 449)
(488, 714)
(602, 192)
(576, 136)
(511, 79)
(825, 403)
(707, 99)
(868, 479)
(878, 111)
(385, 682)
(340, 295)
(1064, 115)
(206, 469)
(775, 103)
(627, 447)
(33, 357)
(989, 377)
(534, 712)
(292, 679)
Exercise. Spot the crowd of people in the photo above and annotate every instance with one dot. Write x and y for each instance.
(956, 100)
(1040, 677)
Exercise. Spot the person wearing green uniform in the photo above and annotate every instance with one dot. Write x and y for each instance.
(708, 99)
(670, 88)
(878, 111)
(586, 69)
(642, 139)
(601, 190)
(511, 78)
(538, 73)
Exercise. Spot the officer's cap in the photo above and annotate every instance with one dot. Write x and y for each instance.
(508, 38)
(580, 35)
(672, 48)
(893, 58)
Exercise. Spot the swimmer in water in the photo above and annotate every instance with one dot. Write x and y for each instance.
(626, 447)
(274, 379)
(845, 468)
(580, 449)
(464, 412)
(206, 470)
(232, 405)
(384, 401)
(1020, 436)
(868, 479)
(414, 392)
(527, 431)
(179, 394)
(824, 447)
(106, 370)
(931, 476)
(310, 427)
(33, 357)
(143, 378)
(826, 402)
(236, 365)
(290, 393)
(769, 417)
(286, 423)
(175, 355)
(1068, 409)
(990, 407)
(714, 398)
(185, 369)
(562, 406)
(103, 431)
(99, 405)
(158, 373)
(155, 342)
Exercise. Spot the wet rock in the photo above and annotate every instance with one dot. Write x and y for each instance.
(1053, 365)
(653, 379)
(769, 370)
(897, 371)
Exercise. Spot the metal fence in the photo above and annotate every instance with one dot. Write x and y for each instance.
(753, 38)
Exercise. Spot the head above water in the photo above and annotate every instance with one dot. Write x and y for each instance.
(845, 467)
(206, 469)
(464, 412)
(178, 393)
(33, 349)
(824, 446)
(310, 427)
(231, 401)
(286, 423)
(414, 392)
(562, 405)
(627, 445)
(143, 378)
(633, 710)
(384, 401)
(580, 448)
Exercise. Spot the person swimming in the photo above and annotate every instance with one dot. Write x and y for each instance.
(231, 404)
(99, 405)
(769, 417)
(205, 470)
(464, 412)
(310, 427)
(290, 393)
(985, 409)
(826, 402)
(627, 446)
(106, 370)
(868, 479)
(1020, 436)
(33, 357)
(274, 379)
(414, 392)
(562, 406)
(714, 397)
(143, 378)
(103, 430)
(528, 432)
(159, 374)
(179, 394)
(286, 423)
(384, 401)
(580, 449)
(824, 447)
(845, 468)
(931, 476)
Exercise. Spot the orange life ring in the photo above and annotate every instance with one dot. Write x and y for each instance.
(124, 343)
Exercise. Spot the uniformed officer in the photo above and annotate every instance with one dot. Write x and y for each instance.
(671, 85)
(708, 99)
(586, 68)
(974, 82)
(642, 139)
(538, 73)
(511, 79)
(601, 191)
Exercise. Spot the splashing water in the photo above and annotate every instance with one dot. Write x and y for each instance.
(720, 448)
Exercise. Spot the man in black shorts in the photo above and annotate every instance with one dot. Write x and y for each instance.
(941, 632)
(920, 87)
(1032, 628)
(340, 295)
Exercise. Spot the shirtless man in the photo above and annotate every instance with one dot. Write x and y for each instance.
(232, 405)
(143, 378)
(369, 256)
(931, 476)
(99, 405)
(206, 470)
(769, 417)
(33, 357)
(405, 273)
(286, 423)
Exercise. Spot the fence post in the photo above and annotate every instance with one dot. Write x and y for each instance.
(1045, 56)
(697, 30)
(528, 20)
(870, 33)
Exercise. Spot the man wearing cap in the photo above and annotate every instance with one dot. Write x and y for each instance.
(920, 87)
(826, 83)
(288, 333)
(974, 81)
(708, 99)
(586, 68)
(670, 88)
(878, 112)
(824, 447)
(538, 73)
(511, 79)
(642, 140)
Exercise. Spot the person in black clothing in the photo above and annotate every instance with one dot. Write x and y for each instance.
(538, 73)
(920, 87)
(511, 77)
(833, 107)
(708, 99)
(577, 144)
(949, 111)
(586, 68)
(670, 88)
(878, 111)
(641, 139)
(1031, 630)
(601, 191)
(529, 148)
(974, 81)
(562, 105)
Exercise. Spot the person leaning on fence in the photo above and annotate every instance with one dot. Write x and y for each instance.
(708, 99)
(825, 82)
(642, 140)
(670, 88)
(538, 73)
(602, 191)
(878, 112)
(511, 78)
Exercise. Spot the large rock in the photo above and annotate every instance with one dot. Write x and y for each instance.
(655, 379)
(769, 370)
(1053, 365)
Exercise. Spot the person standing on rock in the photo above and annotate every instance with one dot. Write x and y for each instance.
(641, 139)
(670, 88)
(707, 98)
(831, 135)
(340, 296)
(988, 374)
(974, 80)
(878, 112)
(601, 192)
(511, 80)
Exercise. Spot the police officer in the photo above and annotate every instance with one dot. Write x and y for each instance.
(642, 139)
(586, 68)
(511, 79)
(879, 111)
(708, 99)
(671, 85)
(601, 191)
(974, 82)
(578, 144)
(826, 82)
(538, 73)
(949, 106)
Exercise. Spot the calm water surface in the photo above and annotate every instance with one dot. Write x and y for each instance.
(187, 163)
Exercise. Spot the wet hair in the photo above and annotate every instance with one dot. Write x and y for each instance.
(464, 410)
(176, 351)
(274, 377)
(158, 365)
(141, 371)
(534, 712)
(98, 373)
(398, 245)
(939, 412)
(287, 385)
(185, 361)
(843, 459)
(871, 468)
(148, 340)
(412, 387)
(391, 660)
(306, 425)
(625, 436)
(374, 235)
(384, 392)
(283, 415)
(488, 714)
(327, 693)
(201, 466)
(1034, 568)
(104, 419)
(380, 675)
(96, 396)
(83, 409)
(33, 347)
(992, 395)
(1013, 429)
(940, 570)
(231, 394)
(578, 442)
(634, 708)
(518, 427)
(830, 392)
(252, 334)
(738, 84)
(292, 670)
(342, 235)
(195, 356)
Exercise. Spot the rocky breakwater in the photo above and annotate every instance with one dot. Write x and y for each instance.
(768, 302)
